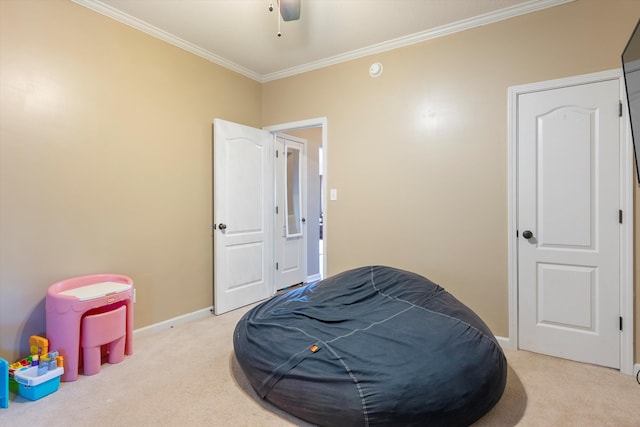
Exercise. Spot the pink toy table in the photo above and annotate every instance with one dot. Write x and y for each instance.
(69, 300)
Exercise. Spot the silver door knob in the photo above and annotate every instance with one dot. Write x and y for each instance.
(222, 226)
(527, 234)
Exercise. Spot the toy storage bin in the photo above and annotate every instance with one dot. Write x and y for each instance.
(4, 383)
(33, 386)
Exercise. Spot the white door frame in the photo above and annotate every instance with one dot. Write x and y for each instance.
(315, 122)
(626, 205)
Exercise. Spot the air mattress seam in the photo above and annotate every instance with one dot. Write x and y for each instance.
(371, 325)
(482, 334)
(276, 371)
(365, 412)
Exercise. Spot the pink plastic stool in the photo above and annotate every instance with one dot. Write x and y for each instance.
(108, 329)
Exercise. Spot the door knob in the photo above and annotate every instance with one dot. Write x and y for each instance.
(222, 226)
(527, 234)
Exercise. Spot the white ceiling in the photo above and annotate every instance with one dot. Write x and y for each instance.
(241, 34)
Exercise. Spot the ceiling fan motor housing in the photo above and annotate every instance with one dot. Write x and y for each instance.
(290, 9)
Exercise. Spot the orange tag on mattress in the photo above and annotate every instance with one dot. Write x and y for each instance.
(314, 348)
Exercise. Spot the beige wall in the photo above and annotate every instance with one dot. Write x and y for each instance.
(105, 162)
(419, 154)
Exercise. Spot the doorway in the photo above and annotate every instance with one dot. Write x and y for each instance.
(243, 211)
(314, 132)
(570, 258)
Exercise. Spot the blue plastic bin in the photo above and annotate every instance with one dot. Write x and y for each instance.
(4, 383)
(33, 386)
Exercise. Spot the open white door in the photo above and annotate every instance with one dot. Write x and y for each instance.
(242, 215)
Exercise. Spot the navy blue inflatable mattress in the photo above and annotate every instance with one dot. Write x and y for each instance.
(374, 346)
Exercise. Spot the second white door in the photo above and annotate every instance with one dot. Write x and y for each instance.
(290, 218)
(568, 222)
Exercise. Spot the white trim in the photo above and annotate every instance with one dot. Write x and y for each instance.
(504, 342)
(313, 278)
(158, 33)
(320, 122)
(626, 204)
(627, 181)
(170, 323)
(512, 212)
(444, 30)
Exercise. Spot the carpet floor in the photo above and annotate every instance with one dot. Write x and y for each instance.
(188, 376)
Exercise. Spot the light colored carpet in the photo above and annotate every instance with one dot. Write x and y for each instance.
(188, 376)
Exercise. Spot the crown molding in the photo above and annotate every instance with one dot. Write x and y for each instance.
(466, 24)
(156, 32)
(477, 21)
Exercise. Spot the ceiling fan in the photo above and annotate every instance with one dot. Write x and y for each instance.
(289, 11)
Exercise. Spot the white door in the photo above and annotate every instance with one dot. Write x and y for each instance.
(242, 215)
(568, 222)
(290, 228)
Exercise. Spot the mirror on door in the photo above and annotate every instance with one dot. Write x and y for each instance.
(293, 202)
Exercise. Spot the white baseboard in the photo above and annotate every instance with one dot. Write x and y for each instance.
(313, 278)
(504, 342)
(170, 323)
